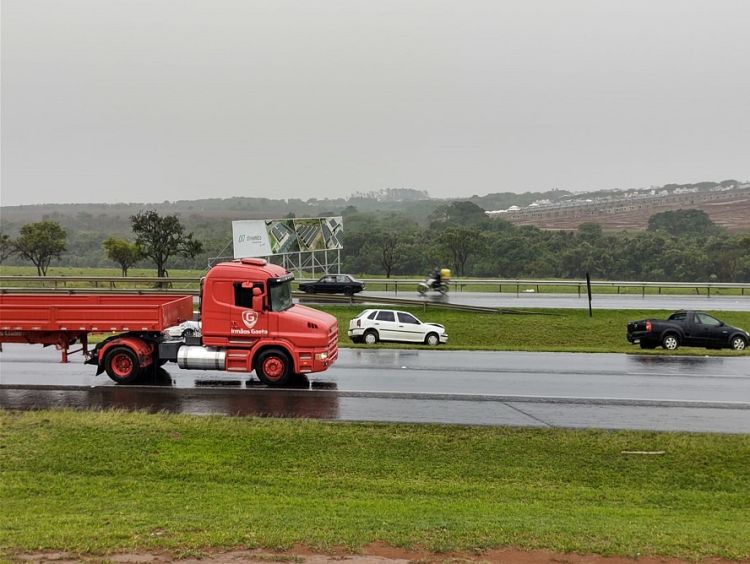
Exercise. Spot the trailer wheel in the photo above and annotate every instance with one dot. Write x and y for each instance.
(122, 365)
(273, 367)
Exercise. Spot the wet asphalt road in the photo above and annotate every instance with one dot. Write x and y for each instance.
(572, 301)
(608, 391)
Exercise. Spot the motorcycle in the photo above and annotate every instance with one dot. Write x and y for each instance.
(428, 284)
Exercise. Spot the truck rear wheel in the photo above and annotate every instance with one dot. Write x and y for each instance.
(122, 365)
(273, 367)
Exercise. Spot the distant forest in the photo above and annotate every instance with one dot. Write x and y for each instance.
(404, 232)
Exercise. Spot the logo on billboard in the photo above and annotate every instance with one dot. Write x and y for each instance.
(249, 318)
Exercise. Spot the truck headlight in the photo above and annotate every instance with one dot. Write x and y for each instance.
(321, 356)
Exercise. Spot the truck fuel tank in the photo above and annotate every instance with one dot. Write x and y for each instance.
(201, 358)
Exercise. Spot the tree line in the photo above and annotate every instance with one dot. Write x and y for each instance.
(157, 238)
(682, 245)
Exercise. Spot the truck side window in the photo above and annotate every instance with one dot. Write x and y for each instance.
(243, 297)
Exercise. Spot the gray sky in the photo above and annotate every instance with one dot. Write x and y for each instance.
(152, 100)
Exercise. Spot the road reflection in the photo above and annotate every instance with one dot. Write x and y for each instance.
(314, 402)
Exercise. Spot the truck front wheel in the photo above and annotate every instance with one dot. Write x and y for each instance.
(122, 365)
(273, 367)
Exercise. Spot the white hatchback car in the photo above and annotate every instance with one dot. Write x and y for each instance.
(373, 325)
(184, 329)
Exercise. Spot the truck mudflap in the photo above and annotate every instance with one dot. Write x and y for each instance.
(143, 349)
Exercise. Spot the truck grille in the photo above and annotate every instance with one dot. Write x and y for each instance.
(333, 348)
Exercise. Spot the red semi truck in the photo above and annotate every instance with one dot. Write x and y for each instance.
(249, 322)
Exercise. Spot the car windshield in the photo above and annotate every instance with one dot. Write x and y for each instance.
(281, 295)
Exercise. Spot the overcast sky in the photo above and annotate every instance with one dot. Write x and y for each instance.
(152, 100)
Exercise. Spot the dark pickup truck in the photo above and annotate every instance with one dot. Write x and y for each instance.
(688, 328)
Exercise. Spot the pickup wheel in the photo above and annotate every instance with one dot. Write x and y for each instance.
(670, 342)
(737, 343)
(122, 365)
(370, 337)
(273, 367)
(432, 339)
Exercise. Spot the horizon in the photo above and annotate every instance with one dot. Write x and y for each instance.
(361, 195)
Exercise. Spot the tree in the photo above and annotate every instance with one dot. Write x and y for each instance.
(6, 247)
(123, 252)
(460, 244)
(160, 238)
(683, 222)
(388, 243)
(40, 243)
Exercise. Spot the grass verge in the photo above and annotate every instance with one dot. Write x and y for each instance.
(557, 330)
(93, 482)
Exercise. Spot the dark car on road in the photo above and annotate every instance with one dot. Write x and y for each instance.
(687, 328)
(333, 284)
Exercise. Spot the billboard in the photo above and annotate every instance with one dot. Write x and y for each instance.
(265, 237)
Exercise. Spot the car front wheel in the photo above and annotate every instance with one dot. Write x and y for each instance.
(738, 343)
(432, 339)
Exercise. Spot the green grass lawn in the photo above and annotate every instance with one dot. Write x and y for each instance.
(93, 482)
(552, 330)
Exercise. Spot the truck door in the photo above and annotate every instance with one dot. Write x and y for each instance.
(692, 335)
(248, 318)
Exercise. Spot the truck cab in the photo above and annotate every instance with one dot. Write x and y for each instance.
(247, 311)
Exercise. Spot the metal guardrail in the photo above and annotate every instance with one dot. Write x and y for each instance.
(390, 284)
(300, 296)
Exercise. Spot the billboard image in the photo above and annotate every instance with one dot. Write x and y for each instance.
(261, 238)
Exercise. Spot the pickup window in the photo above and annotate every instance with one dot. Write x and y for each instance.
(706, 319)
(679, 316)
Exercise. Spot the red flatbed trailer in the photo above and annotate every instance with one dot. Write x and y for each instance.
(249, 322)
(61, 320)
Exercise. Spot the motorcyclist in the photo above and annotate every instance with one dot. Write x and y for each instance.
(437, 279)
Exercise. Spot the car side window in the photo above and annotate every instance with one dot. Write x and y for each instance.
(328, 279)
(407, 318)
(372, 315)
(341, 278)
(681, 316)
(386, 316)
(706, 319)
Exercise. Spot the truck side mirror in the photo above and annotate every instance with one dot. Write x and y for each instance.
(257, 299)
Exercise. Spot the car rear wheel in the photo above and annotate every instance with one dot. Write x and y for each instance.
(432, 339)
(670, 342)
(273, 367)
(738, 343)
(188, 333)
(371, 337)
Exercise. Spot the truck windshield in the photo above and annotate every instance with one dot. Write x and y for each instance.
(281, 295)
